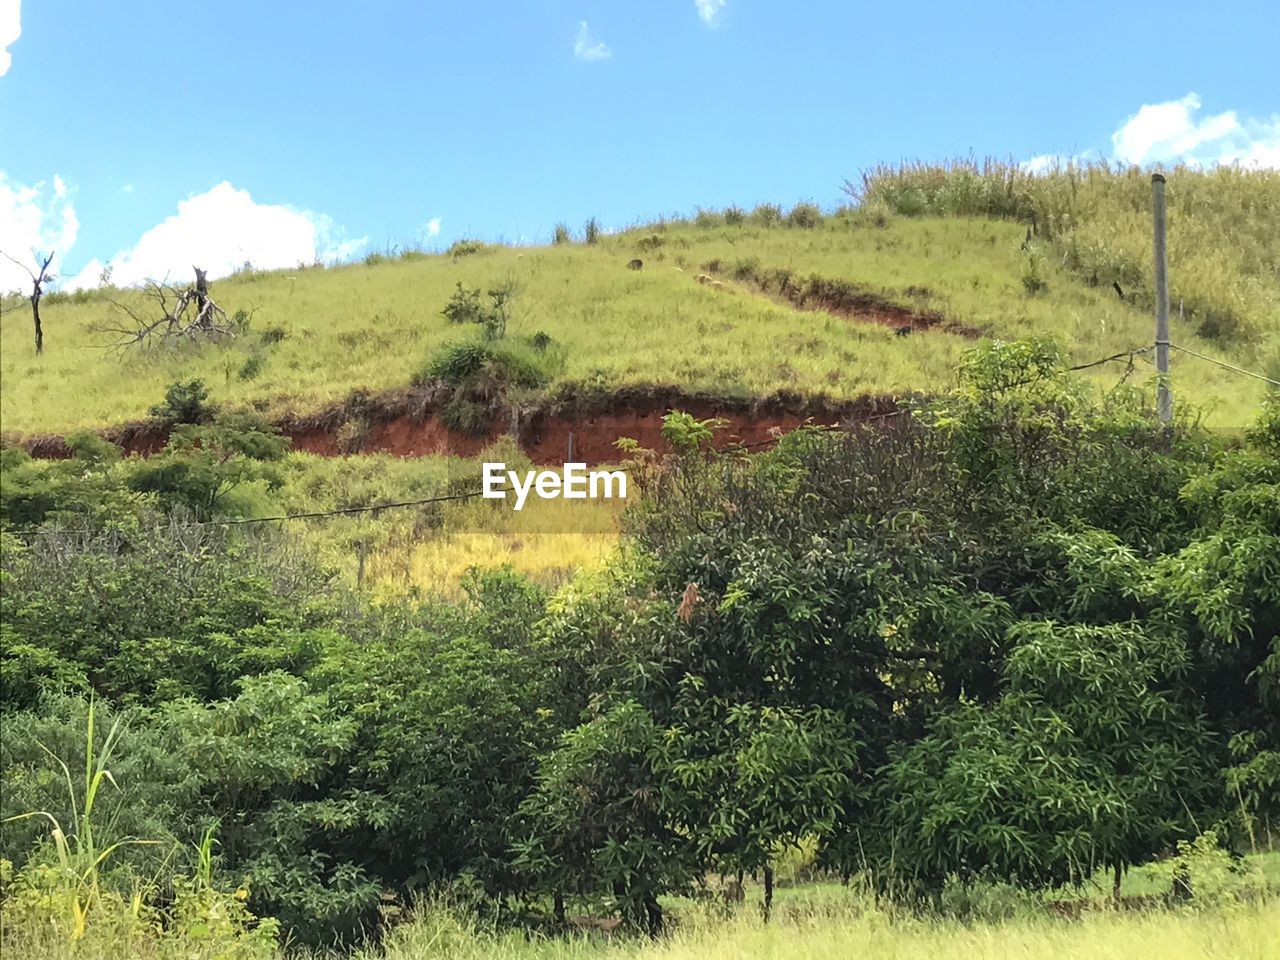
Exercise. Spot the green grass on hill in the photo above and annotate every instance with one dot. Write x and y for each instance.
(375, 326)
(1223, 239)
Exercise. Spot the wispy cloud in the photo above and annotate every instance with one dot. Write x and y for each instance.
(433, 227)
(709, 10)
(10, 31)
(220, 230)
(586, 47)
(1170, 132)
(39, 219)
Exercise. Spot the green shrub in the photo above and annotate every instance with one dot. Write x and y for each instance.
(767, 214)
(591, 231)
(805, 215)
(185, 403)
(507, 363)
(1033, 281)
(466, 248)
(272, 335)
(492, 314)
(1207, 875)
(465, 306)
(734, 215)
(251, 367)
(561, 236)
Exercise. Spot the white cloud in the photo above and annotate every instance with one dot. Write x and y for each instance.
(127, 188)
(433, 227)
(1042, 163)
(10, 31)
(1169, 132)
(219, 231)
(36, 219)
(1045, 162)
(586, 47)
(709, 10)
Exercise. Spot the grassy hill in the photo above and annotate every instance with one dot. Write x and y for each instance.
(945, 244)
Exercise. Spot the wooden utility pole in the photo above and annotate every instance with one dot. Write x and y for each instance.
(1164, 392)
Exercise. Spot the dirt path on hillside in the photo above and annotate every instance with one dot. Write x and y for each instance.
(841, 298)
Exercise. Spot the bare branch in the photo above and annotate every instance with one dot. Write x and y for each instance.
(189, 314)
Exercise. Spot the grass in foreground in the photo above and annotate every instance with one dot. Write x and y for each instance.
(1244, 933)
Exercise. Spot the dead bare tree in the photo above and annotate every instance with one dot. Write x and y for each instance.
(38, 280)
(171, 316)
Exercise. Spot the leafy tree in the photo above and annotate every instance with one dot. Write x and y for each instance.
(453, 715)
(201, 467)
(1090, 757)
(1223, 588)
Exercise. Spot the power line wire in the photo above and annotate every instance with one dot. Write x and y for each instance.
(372, 508)
(1229, 366)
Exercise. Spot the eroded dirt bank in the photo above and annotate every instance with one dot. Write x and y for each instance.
(407, 424)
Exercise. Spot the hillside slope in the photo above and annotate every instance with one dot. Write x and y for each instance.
(317, 334)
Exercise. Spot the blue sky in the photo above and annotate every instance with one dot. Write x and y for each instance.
(353, 126)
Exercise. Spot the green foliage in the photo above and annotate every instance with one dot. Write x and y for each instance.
(466, 248)
(252, 367)
(767, 214)
(1012, 634)
(805, 215)
(467, 306)
(502, 364)
(686, 434)
(560, 236)
(591, 232)
(1033, 280)
(63, 895)
(1089, 757)
(184, 403)
(159, 613)
(1209, 877)
(203, 467)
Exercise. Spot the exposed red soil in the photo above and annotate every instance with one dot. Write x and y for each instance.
(843, 298)
(405, 424)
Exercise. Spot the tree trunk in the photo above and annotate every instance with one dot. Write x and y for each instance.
(1115, 885)
(35, 315)
(768, 893)
(558, 907)
(1181, 883)
(653, 914)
